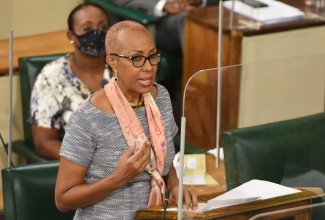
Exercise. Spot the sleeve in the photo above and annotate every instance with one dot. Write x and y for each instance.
(79, 143)
(212, 2)
(147, 6)
(204, 3)
(43, 103)
(158, 10)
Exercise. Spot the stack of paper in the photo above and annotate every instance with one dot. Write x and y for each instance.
(271, 12)
(247, 192)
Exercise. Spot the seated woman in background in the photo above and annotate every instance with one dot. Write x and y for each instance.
(65, 83)
(117, 153)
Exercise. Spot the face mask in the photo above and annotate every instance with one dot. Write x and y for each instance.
(92, 43)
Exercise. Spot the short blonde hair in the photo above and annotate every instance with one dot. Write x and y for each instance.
(111, 42)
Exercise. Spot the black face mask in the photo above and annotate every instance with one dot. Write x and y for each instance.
(92, 43)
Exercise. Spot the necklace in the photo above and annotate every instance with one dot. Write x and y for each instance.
(134, 106)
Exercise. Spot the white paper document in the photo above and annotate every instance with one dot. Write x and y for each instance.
(247, 192)
(274, 12)
(194, 180)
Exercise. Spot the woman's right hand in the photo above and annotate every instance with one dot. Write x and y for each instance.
(173, 7)
(133, 162)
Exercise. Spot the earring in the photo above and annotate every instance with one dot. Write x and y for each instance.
(71, 41)
(115, 76)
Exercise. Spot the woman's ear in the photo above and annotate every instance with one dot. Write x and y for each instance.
(70, 35)
(111, 61)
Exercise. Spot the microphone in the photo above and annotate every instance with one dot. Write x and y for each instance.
(166, 201)
(6, 149)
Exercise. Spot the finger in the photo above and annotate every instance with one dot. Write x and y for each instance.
(193, 198)
(176, 5)
(174, 199)
(190, 198)
(130, 151)
(188, 8)
(139, 156)
(146, 148)
(146, 153)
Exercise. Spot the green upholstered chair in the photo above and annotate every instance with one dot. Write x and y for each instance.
(170, 67)
(29, 68)
(28, 192)
(289, 152)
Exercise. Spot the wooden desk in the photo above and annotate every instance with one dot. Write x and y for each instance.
(201, 52)
(1, 205)
(209, 191)
(244, 211)
(41, 44)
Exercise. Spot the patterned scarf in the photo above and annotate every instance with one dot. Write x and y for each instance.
(133, 132)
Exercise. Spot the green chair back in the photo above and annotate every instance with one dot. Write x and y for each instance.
(286, 152)
(29, 68)
(116, 13)
(28, 192)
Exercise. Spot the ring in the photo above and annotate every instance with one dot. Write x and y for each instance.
(190, 189)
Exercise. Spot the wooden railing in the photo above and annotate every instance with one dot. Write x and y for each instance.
(41, 44)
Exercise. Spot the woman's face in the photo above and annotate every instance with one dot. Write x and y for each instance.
(87, 19)
(134, 80)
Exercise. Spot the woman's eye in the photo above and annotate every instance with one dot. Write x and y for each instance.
(153, 55)
(87, 29)
(136, 58)
(104, 28)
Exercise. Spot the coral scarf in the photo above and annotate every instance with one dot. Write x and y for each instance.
(133, 131)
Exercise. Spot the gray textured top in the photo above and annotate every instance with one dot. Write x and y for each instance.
(95, 140)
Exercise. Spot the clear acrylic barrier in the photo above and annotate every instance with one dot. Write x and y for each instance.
(6, 19)
(257, 94)
(315, 211)
(6, 25)
(315, 9)
(252, 94)
(239, 20)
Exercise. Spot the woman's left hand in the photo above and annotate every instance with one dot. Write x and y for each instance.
(189, 197)
(189, 194)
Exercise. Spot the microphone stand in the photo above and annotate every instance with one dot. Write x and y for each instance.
(10, 97)
(166, 201)
(218, 121)
(183, 119)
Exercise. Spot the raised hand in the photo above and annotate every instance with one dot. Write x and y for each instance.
(174, 7)
(132, 163)
(186, 3)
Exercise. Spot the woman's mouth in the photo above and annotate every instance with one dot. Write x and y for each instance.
(145, 82)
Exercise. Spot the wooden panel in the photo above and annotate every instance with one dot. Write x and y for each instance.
(201, 49)
(41, 44)
(201, 52)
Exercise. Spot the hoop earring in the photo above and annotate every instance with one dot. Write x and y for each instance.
(115, 76)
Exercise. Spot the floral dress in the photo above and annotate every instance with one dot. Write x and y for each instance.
(56, 94)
